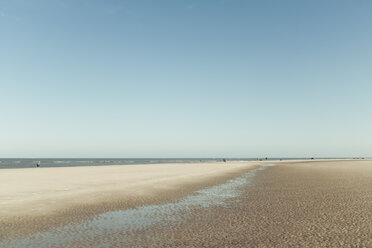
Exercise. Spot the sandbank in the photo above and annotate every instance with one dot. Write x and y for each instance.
(45, 197)
(296, 204)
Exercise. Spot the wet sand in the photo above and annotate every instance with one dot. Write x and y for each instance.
(309, 204)
(35, 200)
(294, 204)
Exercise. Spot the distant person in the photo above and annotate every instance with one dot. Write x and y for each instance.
(224, 160)
(38, 164)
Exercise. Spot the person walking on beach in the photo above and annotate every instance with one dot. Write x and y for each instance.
(38, 164)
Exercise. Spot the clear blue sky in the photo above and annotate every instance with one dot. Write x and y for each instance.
(224, 78)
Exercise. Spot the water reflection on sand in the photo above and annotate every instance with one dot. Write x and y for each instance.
(134, 220)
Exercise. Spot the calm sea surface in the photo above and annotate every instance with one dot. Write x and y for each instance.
(10, 163)
(7, 163)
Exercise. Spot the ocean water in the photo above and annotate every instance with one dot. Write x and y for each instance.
(12, 163)
(8, 163)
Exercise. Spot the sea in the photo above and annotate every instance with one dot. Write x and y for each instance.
(14, 163)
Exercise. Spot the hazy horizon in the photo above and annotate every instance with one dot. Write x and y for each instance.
(185, 79)
(140, 158)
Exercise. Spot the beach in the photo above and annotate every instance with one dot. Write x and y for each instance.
(294, 204)
(35, 199)
(314, 203)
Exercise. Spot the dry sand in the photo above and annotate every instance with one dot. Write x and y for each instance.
(295, 204)
(36, 199)
(309, 204)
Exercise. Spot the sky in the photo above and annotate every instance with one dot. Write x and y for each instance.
(182, 78)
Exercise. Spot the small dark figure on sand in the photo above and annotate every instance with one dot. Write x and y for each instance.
(38, 164)
(224, 160)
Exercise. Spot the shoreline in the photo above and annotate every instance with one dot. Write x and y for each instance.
(289, 175)
(30, 163)
(318, 204)
(33, 200)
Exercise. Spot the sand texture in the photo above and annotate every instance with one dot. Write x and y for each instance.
(38, 198)
(311, 204)
(293, 204)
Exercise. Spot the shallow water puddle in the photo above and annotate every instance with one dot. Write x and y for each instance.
(136, 219)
